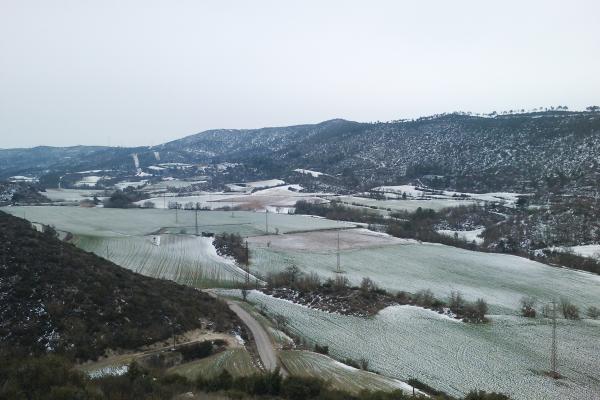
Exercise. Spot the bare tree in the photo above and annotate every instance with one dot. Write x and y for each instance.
(481, 308)
(456, 302)
(528, 306)
(569, 310)
(424, 298)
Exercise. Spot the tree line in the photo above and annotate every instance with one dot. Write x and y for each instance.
(54, 378)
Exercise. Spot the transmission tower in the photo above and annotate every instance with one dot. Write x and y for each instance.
(338, 268)
(553, 372)
(196, 219)
(247, 262)
(267, 221)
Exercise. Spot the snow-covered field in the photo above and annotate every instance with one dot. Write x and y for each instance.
(171, 183)
(134, 184)
(467, 236)
(72, 195)
(314, 174)
(502, 280)
(90, 180)
(586, 250)
(405, 205)
(509, 354)
(414, 192)
(115, 222)
(350, 239)
(250, 186)
(341, 376)
(185, 259)
(208, 200)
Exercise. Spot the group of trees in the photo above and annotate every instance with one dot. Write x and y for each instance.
(51, 377)
(565, 307)
(470, 311)
(339, 212)
(294, 279)
(125, 199)
(368, 294)
(306, 388)
(232, 245)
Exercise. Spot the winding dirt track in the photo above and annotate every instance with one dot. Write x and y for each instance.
(266, 351)
(261, 337)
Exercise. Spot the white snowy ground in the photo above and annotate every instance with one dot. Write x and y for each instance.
(468, 236)
(509, 354)
(314, 174)
(586, 250)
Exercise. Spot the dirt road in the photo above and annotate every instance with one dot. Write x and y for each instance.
(266, 351)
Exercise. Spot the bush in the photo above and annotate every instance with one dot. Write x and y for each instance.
(149, 204)
(424, 298)
(481, 395)
(593, 312)
(569, 310)
(527, 306)
(297, 388)
(321, 349)
(456, 303)
(195, 351)
(367, 286)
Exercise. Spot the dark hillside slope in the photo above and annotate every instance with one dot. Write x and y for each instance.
(56, 297)
(546, 150)
(557, 151)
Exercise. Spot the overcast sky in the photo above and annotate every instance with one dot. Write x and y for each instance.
(144, 72)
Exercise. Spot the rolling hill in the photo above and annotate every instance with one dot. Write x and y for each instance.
(57, 298)
(466, 152)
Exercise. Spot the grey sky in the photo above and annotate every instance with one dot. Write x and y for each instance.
(143, 72)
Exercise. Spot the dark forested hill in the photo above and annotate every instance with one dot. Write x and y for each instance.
(553, 150)
(56, 297)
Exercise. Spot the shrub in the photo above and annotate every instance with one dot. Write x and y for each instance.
(593, 312)
(481, 395)
(527, 306)
(321, 349)
(456, 303)
(424, 298)
(298, 388)
(569, 310)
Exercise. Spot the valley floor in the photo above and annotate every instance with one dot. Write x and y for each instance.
(509, 354)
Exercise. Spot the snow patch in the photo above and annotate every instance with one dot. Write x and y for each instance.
(314, 174)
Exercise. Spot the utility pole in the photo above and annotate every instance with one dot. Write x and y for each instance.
(553, 373)
(107, 255)
(338, 267)
(196, 219)
(267, 221)
(164, 201)
(247, 266)
(176, 212)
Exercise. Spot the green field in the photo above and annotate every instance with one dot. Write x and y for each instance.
(339, 376)
(236, 361)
